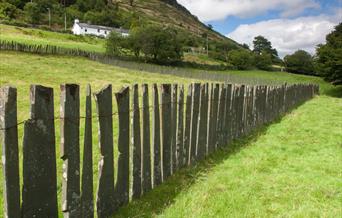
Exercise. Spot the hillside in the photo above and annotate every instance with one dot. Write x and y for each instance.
(169, 12)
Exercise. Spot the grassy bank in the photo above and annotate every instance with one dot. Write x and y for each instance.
(40, 37)
(291, 168)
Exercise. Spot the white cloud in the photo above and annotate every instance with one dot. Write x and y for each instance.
(210, 10)
(288, 35)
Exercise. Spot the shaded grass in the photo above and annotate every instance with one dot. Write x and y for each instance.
(292, 168)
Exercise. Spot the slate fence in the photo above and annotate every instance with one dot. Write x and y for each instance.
(134, 65)
(177, 130)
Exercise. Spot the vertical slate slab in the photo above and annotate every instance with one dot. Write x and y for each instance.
(157, 166)
(187, 125)
(228, 119)
(174, 127)
(215, 114)
(165, 126)
(146, 181)
(210, 117)
(201, 131)
(136, 141)
(10, 155)
(70, 149)
(206, 115)
(194, 122)
(87, 195)
(122, 182)
(39, 197)
(220, 116)
(105, 190)
(180, 152)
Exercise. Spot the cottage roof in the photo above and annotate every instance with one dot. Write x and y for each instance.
(90, 26)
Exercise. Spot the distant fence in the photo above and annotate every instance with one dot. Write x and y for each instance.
(129, 64)
(185, 128)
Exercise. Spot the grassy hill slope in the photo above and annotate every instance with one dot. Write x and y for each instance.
(169, 12)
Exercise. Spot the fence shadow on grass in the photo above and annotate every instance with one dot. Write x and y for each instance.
(157, 200)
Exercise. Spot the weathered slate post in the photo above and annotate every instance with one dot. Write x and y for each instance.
(39, 197)
(220, 116)
(194, 122)
(180, 129)
(136, 141)
(105, 191)
(157, 167)
(70, 149)
(10, 155)
(215, 114)
(201, 131)
(210, 118)
(122, 181)
(174, 127)
(146, 181)
(165, 126)
(87, 196)
(228, 119)
(187, 125)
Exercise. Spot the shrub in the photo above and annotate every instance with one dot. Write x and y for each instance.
(300, 62)
(241, 59)
(263, 61)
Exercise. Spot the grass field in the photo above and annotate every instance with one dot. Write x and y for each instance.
(291, 168)
(41, 37)
(229, 172)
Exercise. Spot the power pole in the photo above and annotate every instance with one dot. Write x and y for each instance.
(207, 46)
(49, 17)
(65, 18)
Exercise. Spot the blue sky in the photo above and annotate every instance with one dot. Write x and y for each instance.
(277, 20)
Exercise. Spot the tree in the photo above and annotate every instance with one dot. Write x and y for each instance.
(329, 57)
(241, 59)
(300, 62)
(261, 44)
(115, 44)
(263, 61)
(7, 10)
(33, 13)
(162, 45)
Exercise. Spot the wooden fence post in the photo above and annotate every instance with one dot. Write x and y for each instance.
(39, 157)
(122, 181)
(165, 126)
(180, 129)
(87, 195)
(136, 138)
(70, 149)
(157, 167)
(146, 180)
(105, 192)
(10, 155)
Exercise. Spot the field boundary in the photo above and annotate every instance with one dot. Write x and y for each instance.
(185, 128)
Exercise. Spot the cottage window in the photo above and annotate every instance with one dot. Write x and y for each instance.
(98, 30)
(86, 30)
(105, 32)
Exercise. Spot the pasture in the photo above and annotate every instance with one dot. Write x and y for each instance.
(291, 165)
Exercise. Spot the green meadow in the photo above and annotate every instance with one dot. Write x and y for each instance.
(290, 168)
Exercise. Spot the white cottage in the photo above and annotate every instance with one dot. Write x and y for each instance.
(88, 29)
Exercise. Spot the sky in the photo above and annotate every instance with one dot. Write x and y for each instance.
(290, 25)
